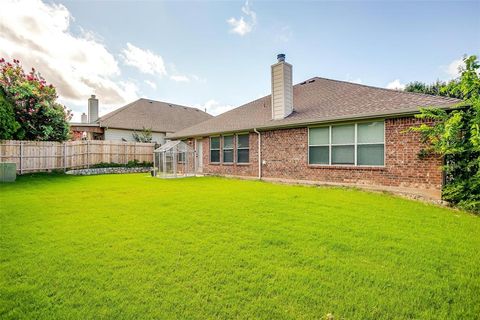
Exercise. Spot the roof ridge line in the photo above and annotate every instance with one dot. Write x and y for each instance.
(385, 89)
(173, 104)
(125, 107)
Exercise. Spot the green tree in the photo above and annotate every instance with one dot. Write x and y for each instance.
(455, 135)
(34, 104)
(438, 88)
(8, 124)
(144, 136)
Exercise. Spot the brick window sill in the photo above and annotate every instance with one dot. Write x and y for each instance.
(349, 168)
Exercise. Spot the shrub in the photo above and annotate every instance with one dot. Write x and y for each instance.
(144, 136)
(455, 135)
(129, 164)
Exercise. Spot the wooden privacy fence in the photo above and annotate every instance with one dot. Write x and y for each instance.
(34, 156)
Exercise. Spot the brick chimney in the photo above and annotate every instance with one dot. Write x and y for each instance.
(282, 89)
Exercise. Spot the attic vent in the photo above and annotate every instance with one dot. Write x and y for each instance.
(310, 81)
(150, 101)
(170, 105)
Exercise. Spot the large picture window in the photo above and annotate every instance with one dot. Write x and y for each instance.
(359, 144)
(228, 149)
(215, 149)
(243, 148)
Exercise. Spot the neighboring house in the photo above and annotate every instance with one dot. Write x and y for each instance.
(322, 130)
(160, 117)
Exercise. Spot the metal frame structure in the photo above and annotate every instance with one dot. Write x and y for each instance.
(175, 159)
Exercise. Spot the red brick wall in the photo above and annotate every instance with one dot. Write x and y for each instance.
(285, 153)
(243, 169)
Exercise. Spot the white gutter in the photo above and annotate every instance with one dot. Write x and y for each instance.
(259, 153)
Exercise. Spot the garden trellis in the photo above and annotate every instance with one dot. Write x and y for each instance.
(175, 159)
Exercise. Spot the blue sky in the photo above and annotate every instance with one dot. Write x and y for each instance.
(218, 54)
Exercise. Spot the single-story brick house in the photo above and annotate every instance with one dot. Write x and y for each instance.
(160, 117)
(322, 131)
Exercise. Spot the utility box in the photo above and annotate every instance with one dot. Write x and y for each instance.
(8, 172)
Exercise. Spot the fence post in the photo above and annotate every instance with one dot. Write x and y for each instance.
(125, 153)
(21, 157)
(134, 150)
(64, 156)
(88, 157)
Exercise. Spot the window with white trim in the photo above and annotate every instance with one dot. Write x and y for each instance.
(243, 148)
(359, 144)
(215, 149)
(228, 149)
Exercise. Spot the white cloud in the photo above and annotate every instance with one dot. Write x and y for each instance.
(285, 34)
(354, 80)
(144, 60)
(453, 68)
(197, 78)
(214, 107)
(39, 35)
(396, 85)
(243, 25)
(180, 78)
(151, 84)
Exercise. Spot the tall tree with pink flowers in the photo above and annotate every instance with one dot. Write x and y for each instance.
(29, 107)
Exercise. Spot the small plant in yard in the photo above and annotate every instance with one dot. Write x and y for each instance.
(143, 136)
(455, 136)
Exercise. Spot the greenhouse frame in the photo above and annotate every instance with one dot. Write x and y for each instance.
(174, 159)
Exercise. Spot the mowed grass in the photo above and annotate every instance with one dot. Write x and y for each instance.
(135, 247)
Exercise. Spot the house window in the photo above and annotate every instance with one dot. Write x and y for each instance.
(243, 148)
(228, 149)
(215, 149)
(343, 144)
(371, 144)
(319, 145)
(359, 144)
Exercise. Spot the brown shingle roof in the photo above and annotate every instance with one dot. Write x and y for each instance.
(318, 100)
(157, 115)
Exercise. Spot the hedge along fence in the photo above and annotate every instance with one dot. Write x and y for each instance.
(36, 156)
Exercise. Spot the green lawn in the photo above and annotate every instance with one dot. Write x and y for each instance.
(131, 246)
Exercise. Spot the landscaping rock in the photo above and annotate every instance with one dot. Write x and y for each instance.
(113, 170)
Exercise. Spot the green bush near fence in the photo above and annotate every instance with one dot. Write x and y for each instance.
(129, 164)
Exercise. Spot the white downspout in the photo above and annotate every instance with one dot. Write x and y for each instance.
(259, 153)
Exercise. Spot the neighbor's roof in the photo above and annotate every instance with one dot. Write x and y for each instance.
(315, 101)
(155, 115)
